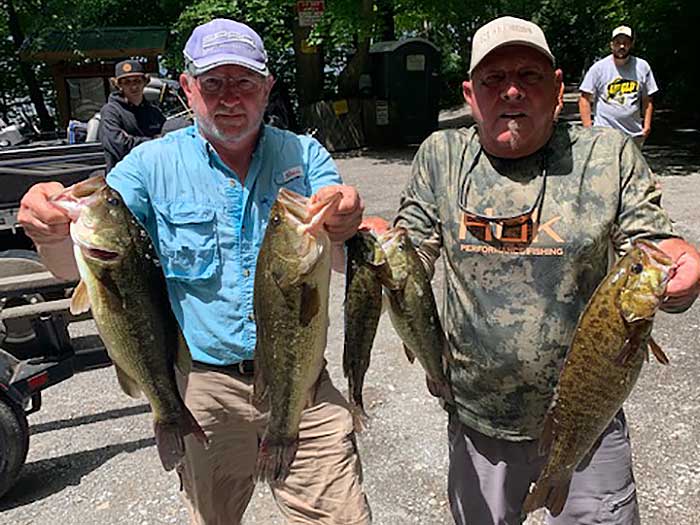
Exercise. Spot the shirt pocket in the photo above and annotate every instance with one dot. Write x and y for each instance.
(293, 179)
(188, 240)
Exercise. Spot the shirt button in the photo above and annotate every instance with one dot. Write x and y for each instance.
(246, 272)
(251, 317)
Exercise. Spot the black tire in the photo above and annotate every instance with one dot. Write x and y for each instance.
(14, 443)
(19, 338)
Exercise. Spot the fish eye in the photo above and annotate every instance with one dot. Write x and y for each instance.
(112, 201)
(637, 268)
(275, 220)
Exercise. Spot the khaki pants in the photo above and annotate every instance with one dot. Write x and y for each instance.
(325, 483)
(489, 479)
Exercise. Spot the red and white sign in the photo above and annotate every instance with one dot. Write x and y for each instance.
(310, 12)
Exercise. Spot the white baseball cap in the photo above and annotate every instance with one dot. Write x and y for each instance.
(506, 31)
(622, 30)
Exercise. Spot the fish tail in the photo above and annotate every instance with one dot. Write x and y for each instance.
(440, 389)
(360, 419)
(275, 459)
(170, 438)
(550, 493)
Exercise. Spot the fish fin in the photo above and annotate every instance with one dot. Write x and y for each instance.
(440, 389)
(386, 302)
(183, 358)
(80, 301)
(658, 353)
(547, 436)
(409, 354)
(548, 493)
(628, 350)
(632, 345)
(170, 438)
(310, 304)
(129, 386)
(360, 419)
(275, 457)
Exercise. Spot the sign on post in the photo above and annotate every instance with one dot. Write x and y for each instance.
(310, 12)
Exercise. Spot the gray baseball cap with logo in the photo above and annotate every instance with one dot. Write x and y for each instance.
(224, 42)
(507, 31)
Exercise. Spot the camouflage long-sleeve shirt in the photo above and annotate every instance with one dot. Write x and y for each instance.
(510, 308)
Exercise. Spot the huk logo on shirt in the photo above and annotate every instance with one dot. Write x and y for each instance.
(618, 88)
(545, 235)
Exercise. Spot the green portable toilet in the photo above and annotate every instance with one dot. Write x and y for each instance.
(405, 88)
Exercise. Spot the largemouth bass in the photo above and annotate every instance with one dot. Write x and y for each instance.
(124, 285)
(413, 311)
(365, 266)
(292, 279)
(605, 358)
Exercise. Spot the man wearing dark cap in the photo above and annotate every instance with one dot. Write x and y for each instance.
(204, 193)
(127, 119)
(622, 86)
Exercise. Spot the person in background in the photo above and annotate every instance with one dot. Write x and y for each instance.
(622, 87)
(127, 119)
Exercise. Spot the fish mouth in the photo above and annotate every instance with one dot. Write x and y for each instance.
(75, 197)
(295, 204)
(310, 215)
(660, 259)
(392, 235)
(100, 254)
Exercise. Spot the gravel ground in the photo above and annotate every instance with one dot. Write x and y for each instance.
(92, 458)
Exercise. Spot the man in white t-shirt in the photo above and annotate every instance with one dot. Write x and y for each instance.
(622, 86)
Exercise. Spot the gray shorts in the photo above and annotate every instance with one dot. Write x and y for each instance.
(489, 479)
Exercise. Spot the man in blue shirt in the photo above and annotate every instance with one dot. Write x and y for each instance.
(204, 194)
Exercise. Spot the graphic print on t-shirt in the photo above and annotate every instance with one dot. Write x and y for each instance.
(620, 88)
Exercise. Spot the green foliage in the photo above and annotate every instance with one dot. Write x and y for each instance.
(578, 32)
(272, 19)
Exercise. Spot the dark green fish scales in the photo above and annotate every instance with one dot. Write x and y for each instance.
(363, 308)
(123, 284)
(292, 279)
(413, 310)
(609, 346)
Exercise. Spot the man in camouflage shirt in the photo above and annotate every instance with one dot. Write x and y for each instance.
(523, 212)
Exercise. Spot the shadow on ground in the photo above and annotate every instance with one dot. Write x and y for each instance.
(92, 418)
(43, 478)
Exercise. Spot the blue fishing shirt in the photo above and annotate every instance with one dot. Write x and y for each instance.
(207, 227)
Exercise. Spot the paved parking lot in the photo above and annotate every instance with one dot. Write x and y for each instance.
(92, 458)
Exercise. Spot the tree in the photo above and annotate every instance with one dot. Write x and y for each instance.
(46, 123)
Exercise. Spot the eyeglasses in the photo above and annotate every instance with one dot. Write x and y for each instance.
(213, 84)
(515, 230)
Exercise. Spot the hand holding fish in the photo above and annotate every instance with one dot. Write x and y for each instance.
(684, 286)
(342, 224)
(43, 222)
